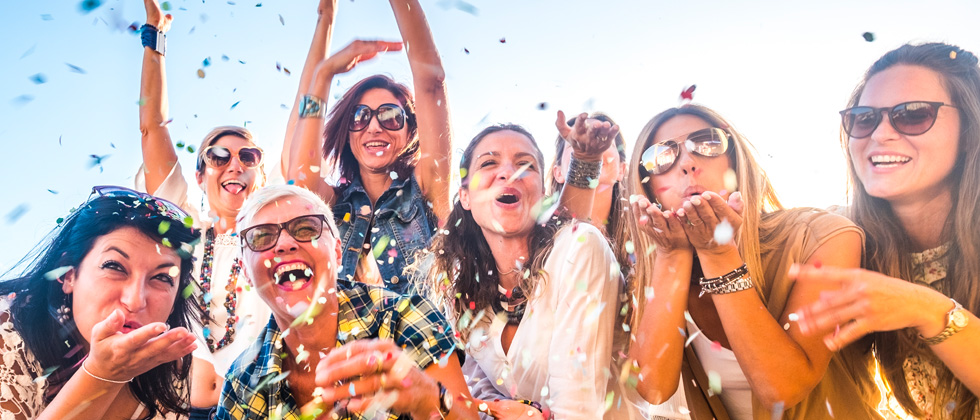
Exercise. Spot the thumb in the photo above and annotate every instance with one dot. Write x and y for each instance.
(563, 128)
(108, 327)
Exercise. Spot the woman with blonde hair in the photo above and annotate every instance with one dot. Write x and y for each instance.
(713, 245)
(915, 185)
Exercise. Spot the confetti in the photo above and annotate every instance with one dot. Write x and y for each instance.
(868, 36)
(724, 232)
(29, 50)
(688, 93)
(466, 50)
(87, 6)
(282, 21)
(17, 212)
(75, 68)
(39, 79)
(235, 104)
(714, 382)
(52, 191)
(207, 62)
(56, 273)
(952, 55)
(46, 17)
(188, 291)
(22, 99)
(730, 180)
(503, 40)
(543, 106)
(200, 73)
(96, 160)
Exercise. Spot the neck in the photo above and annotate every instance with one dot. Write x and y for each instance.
(601, 203)
(224, 223)
(316, 336)
(375, 183)
(924, 219)
(508, 252)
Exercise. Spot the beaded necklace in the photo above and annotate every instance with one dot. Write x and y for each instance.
(513, 302)
(231, 299)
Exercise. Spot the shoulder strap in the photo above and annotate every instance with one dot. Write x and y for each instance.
(702, 405)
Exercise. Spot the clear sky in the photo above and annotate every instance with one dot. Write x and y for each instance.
(778, 70)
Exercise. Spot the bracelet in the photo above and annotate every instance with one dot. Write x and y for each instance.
(312, 107)
(733, 281)
(537, 406)
(151, 37)
(582, 174)
(111, 381)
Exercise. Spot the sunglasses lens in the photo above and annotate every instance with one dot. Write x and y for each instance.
(659, 158)
(250, 156)
(362, 117)
(217, 156)
(860, 122)
(262, 237)
(391, 117)
(306, 229)
(710, 142)
(914, 118)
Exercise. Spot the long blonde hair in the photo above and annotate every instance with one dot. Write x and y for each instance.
(888, 246)
(758, 197)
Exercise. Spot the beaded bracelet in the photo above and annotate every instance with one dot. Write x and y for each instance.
(582, 173)
(537, 406)
(312, 107)
(733, 281)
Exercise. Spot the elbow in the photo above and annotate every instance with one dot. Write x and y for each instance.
(784, 398)
(657, 393)
(433, 80)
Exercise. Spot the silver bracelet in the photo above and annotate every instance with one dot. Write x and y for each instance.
(111, 381)
(733, 281)
(581, 174)
(312, 107)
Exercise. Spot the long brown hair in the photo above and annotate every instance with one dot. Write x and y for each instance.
(463, 276)
(336, 134)
(887, 244)
(758, 196)
(615, 229)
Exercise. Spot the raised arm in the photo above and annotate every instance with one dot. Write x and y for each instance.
(435, 133)
(306, 147)
(588, 138)
(159, 156)
(319, 48)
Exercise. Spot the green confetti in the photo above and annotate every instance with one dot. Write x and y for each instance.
(188, 291)
(188, 222)
(165, 6)
(380, 247)
(166, 243)
(163, 227)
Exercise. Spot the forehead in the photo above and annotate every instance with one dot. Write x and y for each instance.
(505, 143)
(903, 83)
(232, 142)
(282, 209)
(136, 245)
(377, 96)
(679, 126)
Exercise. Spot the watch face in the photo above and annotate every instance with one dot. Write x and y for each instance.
(447, 400)
(959, 319)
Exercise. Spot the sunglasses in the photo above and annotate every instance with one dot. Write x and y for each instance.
(158, 205)
(391, 117)
(219, 156)
(307, 228)
(709, 142)
(909, 118)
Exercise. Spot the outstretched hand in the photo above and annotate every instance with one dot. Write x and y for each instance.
(155, 17)
(704, 217)
(588, 137)
(663, 227)
(357, 51)
(122, 356)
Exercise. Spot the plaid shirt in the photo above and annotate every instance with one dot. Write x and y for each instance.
(254, 387)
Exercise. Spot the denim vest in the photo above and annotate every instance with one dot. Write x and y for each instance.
(402, 218)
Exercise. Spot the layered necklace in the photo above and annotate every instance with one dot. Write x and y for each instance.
(512, 301)
(231, 299)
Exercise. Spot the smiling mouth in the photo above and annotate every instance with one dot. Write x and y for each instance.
(889, 161)
(293, 276)
(233, 186)
(507, 198)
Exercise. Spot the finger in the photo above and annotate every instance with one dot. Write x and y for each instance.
(108, 327)
(736, 203)
(158, 345)
(563, 128)
(704, 211)
(383, 46)
(177, 349)
(827, 276)
(721, 209)
(847, 334)
(814, 320)
(362, 364)
(140, 336)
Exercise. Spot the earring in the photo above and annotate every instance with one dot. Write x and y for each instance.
(64, 311)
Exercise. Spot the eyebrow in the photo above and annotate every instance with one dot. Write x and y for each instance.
(125, 255)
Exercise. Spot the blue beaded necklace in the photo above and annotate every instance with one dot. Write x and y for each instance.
(231, 299)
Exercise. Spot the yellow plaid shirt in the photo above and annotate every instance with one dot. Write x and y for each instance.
(254, 386)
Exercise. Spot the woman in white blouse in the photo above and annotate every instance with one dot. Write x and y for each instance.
(535, 299)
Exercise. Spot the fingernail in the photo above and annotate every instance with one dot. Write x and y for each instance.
(736, 195)
(794, 270)
(696, 201)
(830, 344)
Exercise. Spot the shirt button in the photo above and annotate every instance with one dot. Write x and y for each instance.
(394, 279)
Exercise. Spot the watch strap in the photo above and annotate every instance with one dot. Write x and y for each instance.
(152, 37)
(951, 326)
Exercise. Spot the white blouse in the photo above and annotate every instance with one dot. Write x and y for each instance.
(561, 353)
(253, 313)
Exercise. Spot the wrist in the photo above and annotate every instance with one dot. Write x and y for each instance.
(429, 407)
(935, 307)
(586, 156)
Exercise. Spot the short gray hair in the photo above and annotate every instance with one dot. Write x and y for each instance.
(269, 194)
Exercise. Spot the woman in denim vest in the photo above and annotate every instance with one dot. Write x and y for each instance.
(392, 185)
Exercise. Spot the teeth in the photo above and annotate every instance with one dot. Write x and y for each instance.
(376, 144)
(889, 159)
(233, 181)
(297, 266)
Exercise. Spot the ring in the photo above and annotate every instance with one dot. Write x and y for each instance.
(384, 381)
(699, 222)
(381, 363)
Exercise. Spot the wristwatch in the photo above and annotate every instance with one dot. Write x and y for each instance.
(956, 320)
(445, 400)
(153, 38)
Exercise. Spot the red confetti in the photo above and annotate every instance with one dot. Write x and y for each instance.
(472, 306)
(688, 92)
(503, 40)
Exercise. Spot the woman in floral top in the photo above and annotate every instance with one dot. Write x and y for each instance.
(918, 199)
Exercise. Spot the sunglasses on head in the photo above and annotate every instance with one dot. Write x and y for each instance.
(709, 142)
(218, 156)
(908, 118)
(307, 228)
(391, 117)
(158, 205)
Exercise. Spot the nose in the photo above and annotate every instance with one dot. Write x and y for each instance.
(286, 243)
(687, 163)
(235, 165)
(506, 170)
(885, 130)
(133, 296)
(374, 126)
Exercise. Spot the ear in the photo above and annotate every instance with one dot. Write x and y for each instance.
(464, 198)
(200, 180)
(622, 171)
(338, 252)
(557, 173)
(68, 281)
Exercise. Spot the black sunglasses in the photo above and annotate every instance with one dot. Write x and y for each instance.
(391, 117)
(709, 142)
(218, 156)
(307, 228)
(909, 118)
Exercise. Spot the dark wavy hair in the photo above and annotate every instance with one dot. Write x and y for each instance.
(887, 244)
(336, 134)
(33, 307)
(462, 256)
